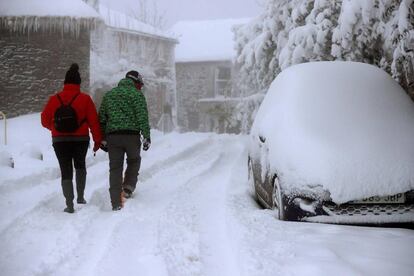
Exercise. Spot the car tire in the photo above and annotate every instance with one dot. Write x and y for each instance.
(277, 199)
(251, 181)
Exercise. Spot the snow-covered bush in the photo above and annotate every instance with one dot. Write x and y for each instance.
(245, 111)
(292, 32)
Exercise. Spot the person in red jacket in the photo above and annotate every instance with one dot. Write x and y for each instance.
(71, 147)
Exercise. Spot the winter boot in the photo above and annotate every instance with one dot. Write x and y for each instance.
(116, 208)
(67, 188)
(127, 193)
(80, 185)
(69, 210)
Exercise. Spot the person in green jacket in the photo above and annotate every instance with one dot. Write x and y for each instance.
(123, 117)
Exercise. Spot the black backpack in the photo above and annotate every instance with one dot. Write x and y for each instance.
(66, 119)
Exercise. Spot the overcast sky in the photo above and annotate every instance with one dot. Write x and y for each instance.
(176, 10)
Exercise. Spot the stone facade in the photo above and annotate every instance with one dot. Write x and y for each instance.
(33, 67)
(196, 81)
(202, 104)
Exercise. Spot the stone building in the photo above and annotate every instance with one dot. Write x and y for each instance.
(207, 92)
(122, 44)
(38, 42)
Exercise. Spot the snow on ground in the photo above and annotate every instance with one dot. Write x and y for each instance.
(191, 215)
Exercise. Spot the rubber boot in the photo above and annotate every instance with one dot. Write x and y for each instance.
(67, 188)
(80, 185)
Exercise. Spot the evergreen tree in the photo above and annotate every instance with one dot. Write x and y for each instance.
(378, 32)
(398, 42)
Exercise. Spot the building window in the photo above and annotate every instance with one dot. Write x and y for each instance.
(223, 81)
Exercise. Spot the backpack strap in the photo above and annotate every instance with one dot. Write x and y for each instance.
(71, 102)
(60, 99)
(73, 99)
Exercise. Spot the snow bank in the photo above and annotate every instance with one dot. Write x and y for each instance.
(343, 125)
(208, 40)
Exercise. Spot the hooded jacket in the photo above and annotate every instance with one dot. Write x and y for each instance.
(85, 110)
(124, 110)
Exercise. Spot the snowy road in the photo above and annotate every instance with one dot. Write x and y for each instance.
(191, 215)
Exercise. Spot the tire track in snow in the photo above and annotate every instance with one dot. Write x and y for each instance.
(139, 212)
(12, 184)
(25, 199)
(86, 219)
(187, 153)
(252, 225)
(22, 201)
(45, 175)
(149, 251)
(196, 241)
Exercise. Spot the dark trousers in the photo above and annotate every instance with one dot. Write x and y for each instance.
(118, 146)
(72, 154)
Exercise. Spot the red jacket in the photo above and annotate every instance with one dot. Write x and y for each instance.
(85, 109)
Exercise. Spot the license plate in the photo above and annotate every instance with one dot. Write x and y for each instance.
(394, 199)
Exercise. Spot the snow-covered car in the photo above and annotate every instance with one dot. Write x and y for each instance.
(334, 142)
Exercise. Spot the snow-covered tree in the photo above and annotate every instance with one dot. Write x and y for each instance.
(355, 37)
(93, 3)
(311, 39)
(150, 14)
(397, 31)
(378, 32)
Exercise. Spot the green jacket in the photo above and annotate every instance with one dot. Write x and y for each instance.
(124, 108)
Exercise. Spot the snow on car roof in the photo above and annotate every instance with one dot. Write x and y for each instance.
(344, 125)
(207, 40)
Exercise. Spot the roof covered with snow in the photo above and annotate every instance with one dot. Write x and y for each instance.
(209, 40)
(67, 16)
(123, 22)
(49, 8)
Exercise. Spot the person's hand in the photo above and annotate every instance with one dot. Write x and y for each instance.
(146, 144)
(104, 146)
(96, 146)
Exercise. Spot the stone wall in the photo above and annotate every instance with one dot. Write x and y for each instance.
(33, 67)
(195, 80)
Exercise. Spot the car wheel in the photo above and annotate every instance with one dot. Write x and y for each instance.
(277, 198)
(252, 187)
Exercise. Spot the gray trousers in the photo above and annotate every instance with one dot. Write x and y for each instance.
(118, 146)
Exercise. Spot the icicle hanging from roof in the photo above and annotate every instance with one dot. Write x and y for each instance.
(65, 25)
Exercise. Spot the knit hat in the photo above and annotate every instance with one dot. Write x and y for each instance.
(72, 75)
(135, 76)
